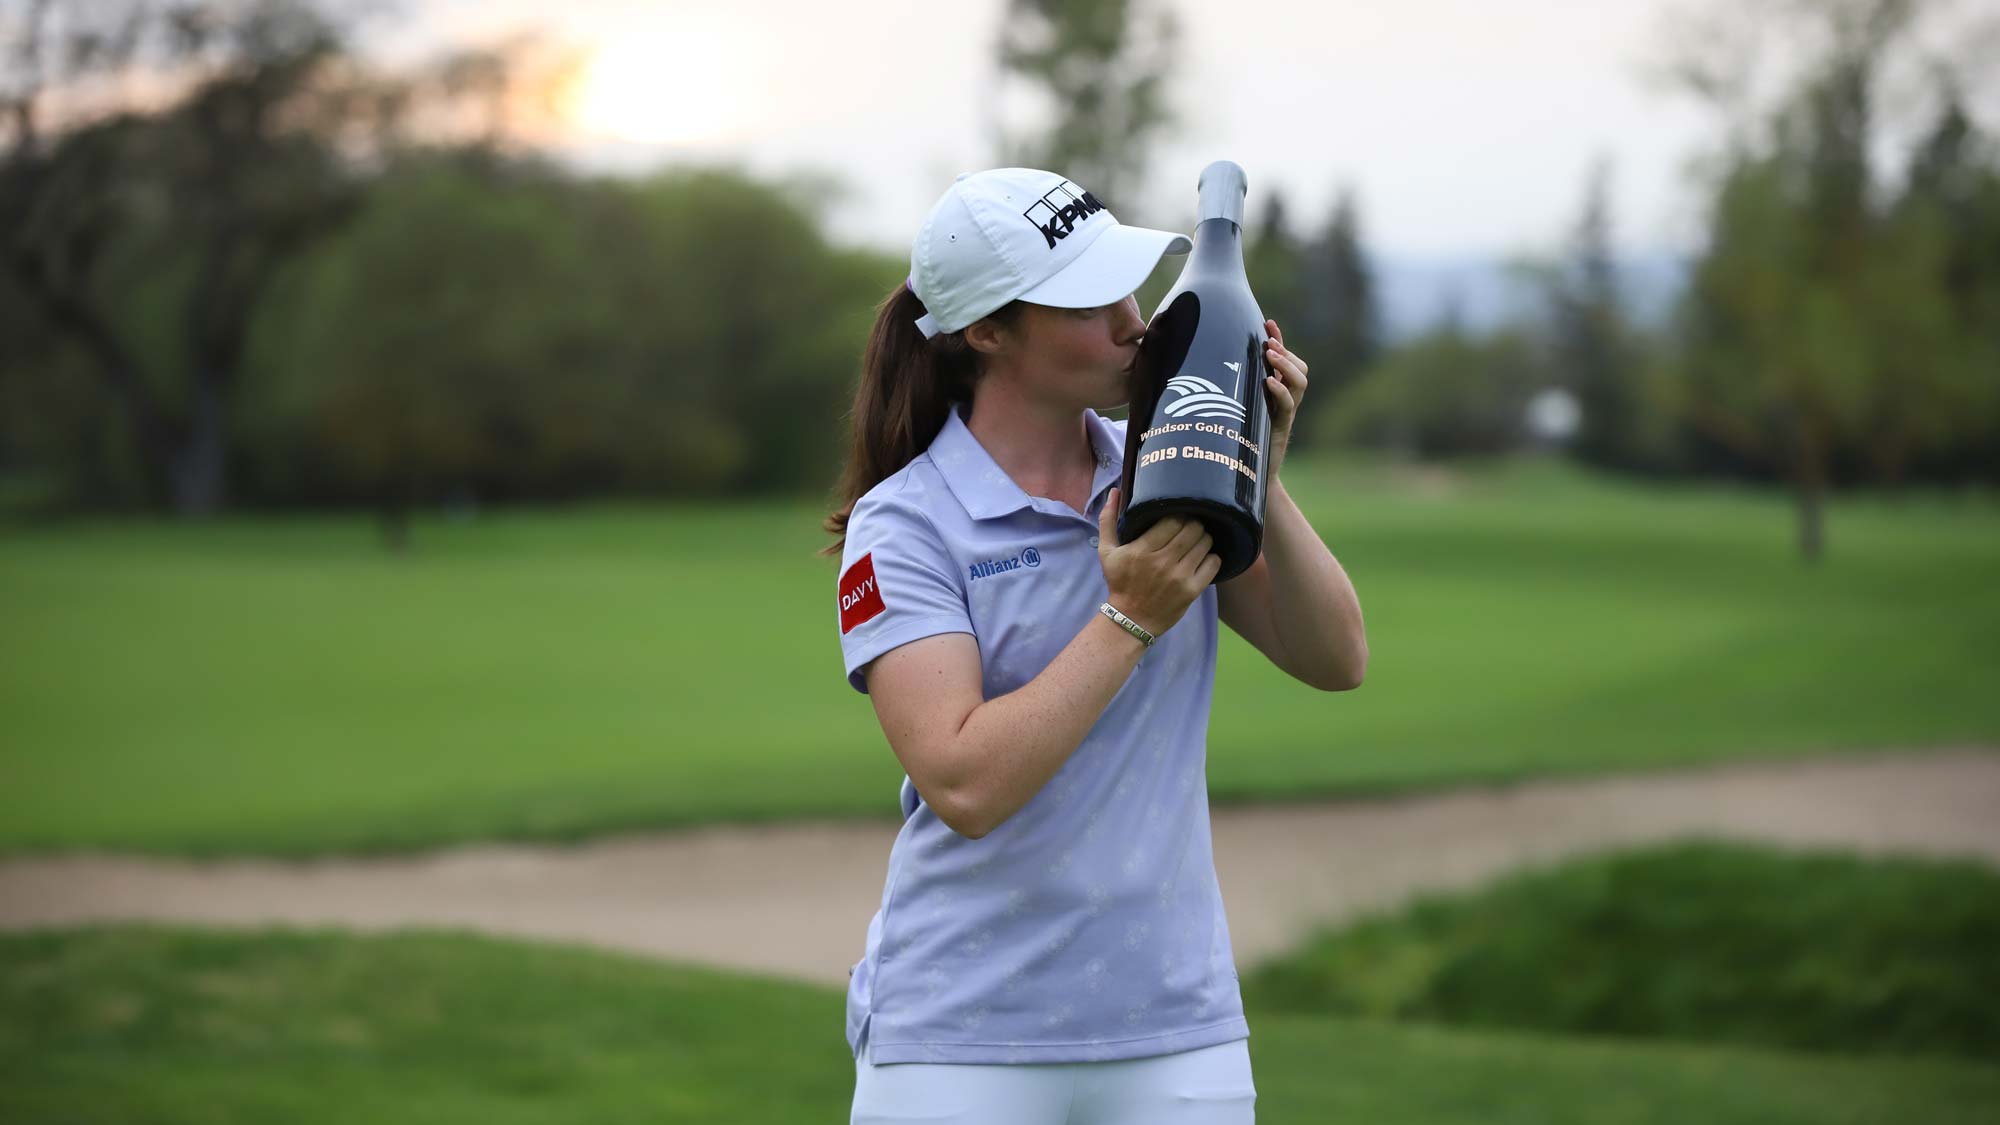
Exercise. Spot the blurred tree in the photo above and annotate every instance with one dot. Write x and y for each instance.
(1949, 213)
(1320, 293)
(1104, 66)
(1340, 319)
(1445, 393)
(740, 308)
(1775, 366)
(1816, 320)
(446, 333)
(107, 211)
(503, 330)
(1592, 342)
(56, 440)
(1274, 260)
(162, 164)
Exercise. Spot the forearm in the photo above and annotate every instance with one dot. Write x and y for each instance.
(1314, 609)
(1012, 744)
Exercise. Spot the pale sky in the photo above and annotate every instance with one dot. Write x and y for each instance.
(1466, 126)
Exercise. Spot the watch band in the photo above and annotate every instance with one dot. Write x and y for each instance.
(1130, 626)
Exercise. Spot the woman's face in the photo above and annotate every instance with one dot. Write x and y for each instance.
(1080, 356)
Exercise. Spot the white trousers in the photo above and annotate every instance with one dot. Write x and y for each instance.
(1205, 1086)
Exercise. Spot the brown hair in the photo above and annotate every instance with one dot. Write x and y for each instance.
(907, 384)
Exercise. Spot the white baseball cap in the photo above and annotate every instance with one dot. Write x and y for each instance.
(1009, 234)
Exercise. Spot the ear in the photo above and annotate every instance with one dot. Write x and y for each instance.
(986, 336)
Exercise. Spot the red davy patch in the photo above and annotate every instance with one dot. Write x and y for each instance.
(860, 594)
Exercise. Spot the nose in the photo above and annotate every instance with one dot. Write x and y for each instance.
(1131, 326)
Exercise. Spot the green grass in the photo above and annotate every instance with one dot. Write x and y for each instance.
(166, 1025)
(1716, 941)
(284, 686)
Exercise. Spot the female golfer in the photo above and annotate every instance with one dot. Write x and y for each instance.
(1051, 946)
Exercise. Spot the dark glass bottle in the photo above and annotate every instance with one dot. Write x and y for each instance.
(1199, 423)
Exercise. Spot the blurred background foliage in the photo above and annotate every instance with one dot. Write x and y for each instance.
(300, 279)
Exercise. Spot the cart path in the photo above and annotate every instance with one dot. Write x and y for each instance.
(794, 900)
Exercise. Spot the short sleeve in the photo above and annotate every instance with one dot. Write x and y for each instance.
(898, 583)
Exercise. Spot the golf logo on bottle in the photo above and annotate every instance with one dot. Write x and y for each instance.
(1202, 399)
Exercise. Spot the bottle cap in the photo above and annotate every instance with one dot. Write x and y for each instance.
(1222, 187)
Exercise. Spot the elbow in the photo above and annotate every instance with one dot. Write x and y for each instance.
(1348, 676)
(967, 809)
(963, 814)
(975, 814)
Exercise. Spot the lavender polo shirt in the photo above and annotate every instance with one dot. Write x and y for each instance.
(1089, 925)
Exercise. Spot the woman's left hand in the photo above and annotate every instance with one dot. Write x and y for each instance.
(1285, 388)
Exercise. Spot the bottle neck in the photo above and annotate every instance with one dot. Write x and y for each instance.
(1218, 245)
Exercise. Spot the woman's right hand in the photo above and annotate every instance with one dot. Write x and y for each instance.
(1154, 578)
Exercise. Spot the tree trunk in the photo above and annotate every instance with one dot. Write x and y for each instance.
(398, 500)
(160, 439)
(198, 481)
(395, 526)
(1809, 487)
(1812, 521)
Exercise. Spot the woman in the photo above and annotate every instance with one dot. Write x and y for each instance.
(1051, 904)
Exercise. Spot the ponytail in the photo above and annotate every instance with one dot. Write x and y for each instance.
(908, 383)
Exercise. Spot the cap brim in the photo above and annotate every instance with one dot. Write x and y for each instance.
(1110, 269)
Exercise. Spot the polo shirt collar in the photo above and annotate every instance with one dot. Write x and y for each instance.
(985, 490)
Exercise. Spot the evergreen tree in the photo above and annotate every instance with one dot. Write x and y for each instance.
(1322, 296)
(1274, 260)
(1949, 211)
(1339, 320)
(1591, 337)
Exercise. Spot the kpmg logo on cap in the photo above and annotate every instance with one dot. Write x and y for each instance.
(1057, 213)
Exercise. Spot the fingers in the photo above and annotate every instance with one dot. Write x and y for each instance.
(1289, 366)
(1195, 550)
(1281, 395)
(1206, 572)
(1181, 542)
(1190, 532)
(1163, 531)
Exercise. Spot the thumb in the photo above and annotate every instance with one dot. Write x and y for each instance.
(1107, 519)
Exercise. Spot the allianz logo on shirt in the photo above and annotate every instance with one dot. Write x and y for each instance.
(1029, 557)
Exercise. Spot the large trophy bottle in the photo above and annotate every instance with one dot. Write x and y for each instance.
(1199, 421)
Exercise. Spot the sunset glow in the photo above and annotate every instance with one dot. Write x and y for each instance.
(679, 87)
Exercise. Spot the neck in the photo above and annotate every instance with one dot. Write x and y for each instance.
(1041, 445)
